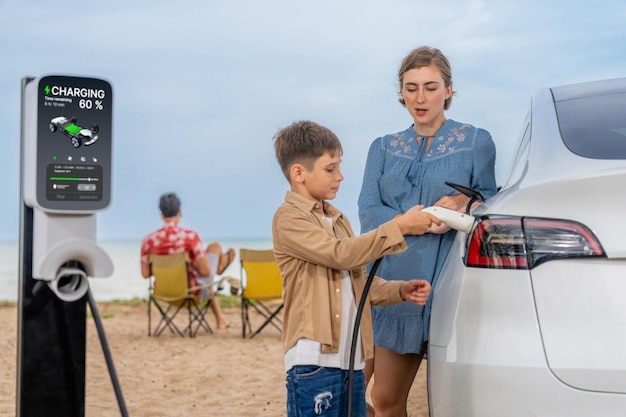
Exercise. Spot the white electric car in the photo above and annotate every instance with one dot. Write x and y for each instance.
(529, 313)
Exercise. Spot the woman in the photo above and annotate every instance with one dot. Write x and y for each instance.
(408, 168)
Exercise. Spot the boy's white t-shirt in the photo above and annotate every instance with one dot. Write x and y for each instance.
(309, 352)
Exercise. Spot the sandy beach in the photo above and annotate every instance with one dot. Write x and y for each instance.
(213, 374)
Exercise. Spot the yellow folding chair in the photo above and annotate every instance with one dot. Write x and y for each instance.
(262, 289)
(170, 293)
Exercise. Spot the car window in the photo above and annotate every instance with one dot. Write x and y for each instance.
(521, 152)
(594, 127)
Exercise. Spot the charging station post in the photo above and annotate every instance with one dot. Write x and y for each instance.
(66, 150)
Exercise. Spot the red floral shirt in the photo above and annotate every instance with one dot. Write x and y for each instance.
(172, 238)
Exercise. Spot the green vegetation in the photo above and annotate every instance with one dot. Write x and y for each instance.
(229, 301)
(102, 316)
(226, 301)
(132, 302)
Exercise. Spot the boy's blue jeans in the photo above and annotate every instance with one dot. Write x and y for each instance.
(316, 391)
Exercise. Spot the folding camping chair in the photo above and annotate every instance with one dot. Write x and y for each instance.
(262, 289)
(171, 294)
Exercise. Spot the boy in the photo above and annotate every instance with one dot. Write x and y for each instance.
(322, 265)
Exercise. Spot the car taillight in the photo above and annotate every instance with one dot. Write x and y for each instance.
(524, 243)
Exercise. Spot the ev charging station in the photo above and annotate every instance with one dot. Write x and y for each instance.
(66, 155)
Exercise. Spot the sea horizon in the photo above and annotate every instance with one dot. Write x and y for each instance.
(126, 282)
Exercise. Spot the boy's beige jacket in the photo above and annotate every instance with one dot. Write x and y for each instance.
(311, 257)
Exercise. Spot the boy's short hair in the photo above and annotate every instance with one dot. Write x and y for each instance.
(304, 142)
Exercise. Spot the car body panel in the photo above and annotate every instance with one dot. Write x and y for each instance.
(584, 328)
(493, 363)
(495, 390)
(491, 317)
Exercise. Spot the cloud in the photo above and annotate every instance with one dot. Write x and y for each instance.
(201, 87)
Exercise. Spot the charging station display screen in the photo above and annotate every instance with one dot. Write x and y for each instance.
(74, 118)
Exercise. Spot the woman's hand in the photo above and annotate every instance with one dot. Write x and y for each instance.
(456, 202)
(439, 229)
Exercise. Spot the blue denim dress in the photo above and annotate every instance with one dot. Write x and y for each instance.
(401, 173)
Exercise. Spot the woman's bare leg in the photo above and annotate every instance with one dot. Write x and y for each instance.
(395, 374)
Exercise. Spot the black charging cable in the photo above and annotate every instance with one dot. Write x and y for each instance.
(355, 332)
(107, 353)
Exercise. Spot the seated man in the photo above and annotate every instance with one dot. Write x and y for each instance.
(172, 238)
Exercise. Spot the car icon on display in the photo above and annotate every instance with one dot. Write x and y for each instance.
(78, 134)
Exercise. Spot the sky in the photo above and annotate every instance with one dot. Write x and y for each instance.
(201, 87)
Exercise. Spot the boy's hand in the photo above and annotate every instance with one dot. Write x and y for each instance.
(416, 291)
(439, 229)
(415, 221)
